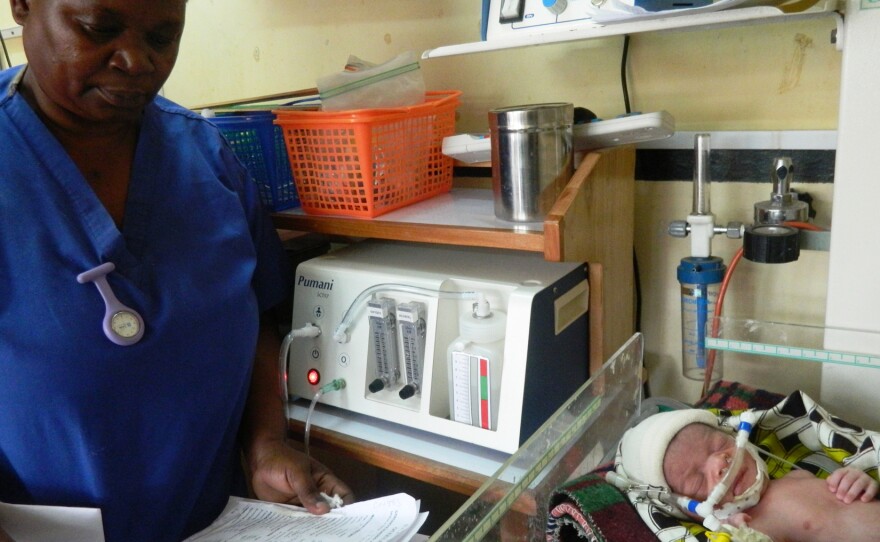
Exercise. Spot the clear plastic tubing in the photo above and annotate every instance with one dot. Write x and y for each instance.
(282, 370)
(309, 330)
(340, 335)
(308, 428)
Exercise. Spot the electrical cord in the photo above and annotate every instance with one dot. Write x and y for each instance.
(623, 87)
(637, 283)
(308, 330)
(623, 83)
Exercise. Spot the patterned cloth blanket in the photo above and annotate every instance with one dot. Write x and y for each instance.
(794, 428)
(591, 509)
(733, 396)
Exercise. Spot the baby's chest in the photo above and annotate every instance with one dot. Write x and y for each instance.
(795, 509)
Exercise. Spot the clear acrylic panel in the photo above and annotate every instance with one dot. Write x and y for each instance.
(581, 435)
(795, 341)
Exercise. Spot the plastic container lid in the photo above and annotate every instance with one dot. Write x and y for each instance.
(482, 330)
(697, 270)
(530, 117)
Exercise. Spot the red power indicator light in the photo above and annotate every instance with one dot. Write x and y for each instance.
(313, 377)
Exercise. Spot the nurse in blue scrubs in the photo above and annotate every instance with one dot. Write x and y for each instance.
(135, 264)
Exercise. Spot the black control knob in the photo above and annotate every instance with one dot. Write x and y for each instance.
(376, 385)
(407, 391)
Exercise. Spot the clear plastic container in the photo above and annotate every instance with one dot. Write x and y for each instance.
(475, 360)
(700, 280)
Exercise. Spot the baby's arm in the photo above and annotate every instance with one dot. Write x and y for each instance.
(848, 484)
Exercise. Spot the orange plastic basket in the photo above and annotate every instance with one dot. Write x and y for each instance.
(366, 162)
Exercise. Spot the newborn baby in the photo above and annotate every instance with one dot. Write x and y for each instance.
(687, 452)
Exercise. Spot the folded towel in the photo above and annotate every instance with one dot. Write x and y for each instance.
(589, 508)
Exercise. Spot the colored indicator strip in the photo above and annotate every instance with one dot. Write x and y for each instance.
(485, 418)
(794, 352)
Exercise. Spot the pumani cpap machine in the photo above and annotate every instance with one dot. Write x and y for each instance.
(477, 345)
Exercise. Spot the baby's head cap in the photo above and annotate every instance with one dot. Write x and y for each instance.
(642, 447)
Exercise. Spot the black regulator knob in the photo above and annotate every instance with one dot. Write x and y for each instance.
(771, 243)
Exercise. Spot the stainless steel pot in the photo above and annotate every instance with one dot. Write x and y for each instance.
(531, 158)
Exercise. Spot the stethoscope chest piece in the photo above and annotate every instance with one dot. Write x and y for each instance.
(122, 324)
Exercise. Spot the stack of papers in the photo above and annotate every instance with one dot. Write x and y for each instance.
(395, 518)
(36, 523)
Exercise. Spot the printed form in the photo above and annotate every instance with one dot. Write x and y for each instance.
(36, 523)
(395, 518)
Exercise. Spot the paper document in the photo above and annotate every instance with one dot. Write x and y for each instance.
(395, 518)
(33, 523)
(624, 11)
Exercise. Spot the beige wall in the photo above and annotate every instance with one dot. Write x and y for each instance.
(771, 76)
(16, 54)
(781, 76)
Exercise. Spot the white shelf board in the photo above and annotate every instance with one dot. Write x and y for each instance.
(462, 207)
(10, 33)
(713, 19)
(447, 451)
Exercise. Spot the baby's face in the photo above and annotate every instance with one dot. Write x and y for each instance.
(698, 458)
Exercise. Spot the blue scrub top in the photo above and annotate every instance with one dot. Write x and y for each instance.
(147, 432)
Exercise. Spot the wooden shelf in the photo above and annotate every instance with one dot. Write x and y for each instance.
(592, 221)
(390, 458)
(464, 216)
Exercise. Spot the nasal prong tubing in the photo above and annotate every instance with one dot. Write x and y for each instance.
(706, 509)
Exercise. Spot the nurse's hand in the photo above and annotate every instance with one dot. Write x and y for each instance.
(279, 473)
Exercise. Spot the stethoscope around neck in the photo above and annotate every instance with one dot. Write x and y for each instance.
(122, 324)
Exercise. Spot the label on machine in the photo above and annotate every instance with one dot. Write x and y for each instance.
(471, 381)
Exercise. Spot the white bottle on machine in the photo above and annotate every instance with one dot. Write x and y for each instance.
(475, 360)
